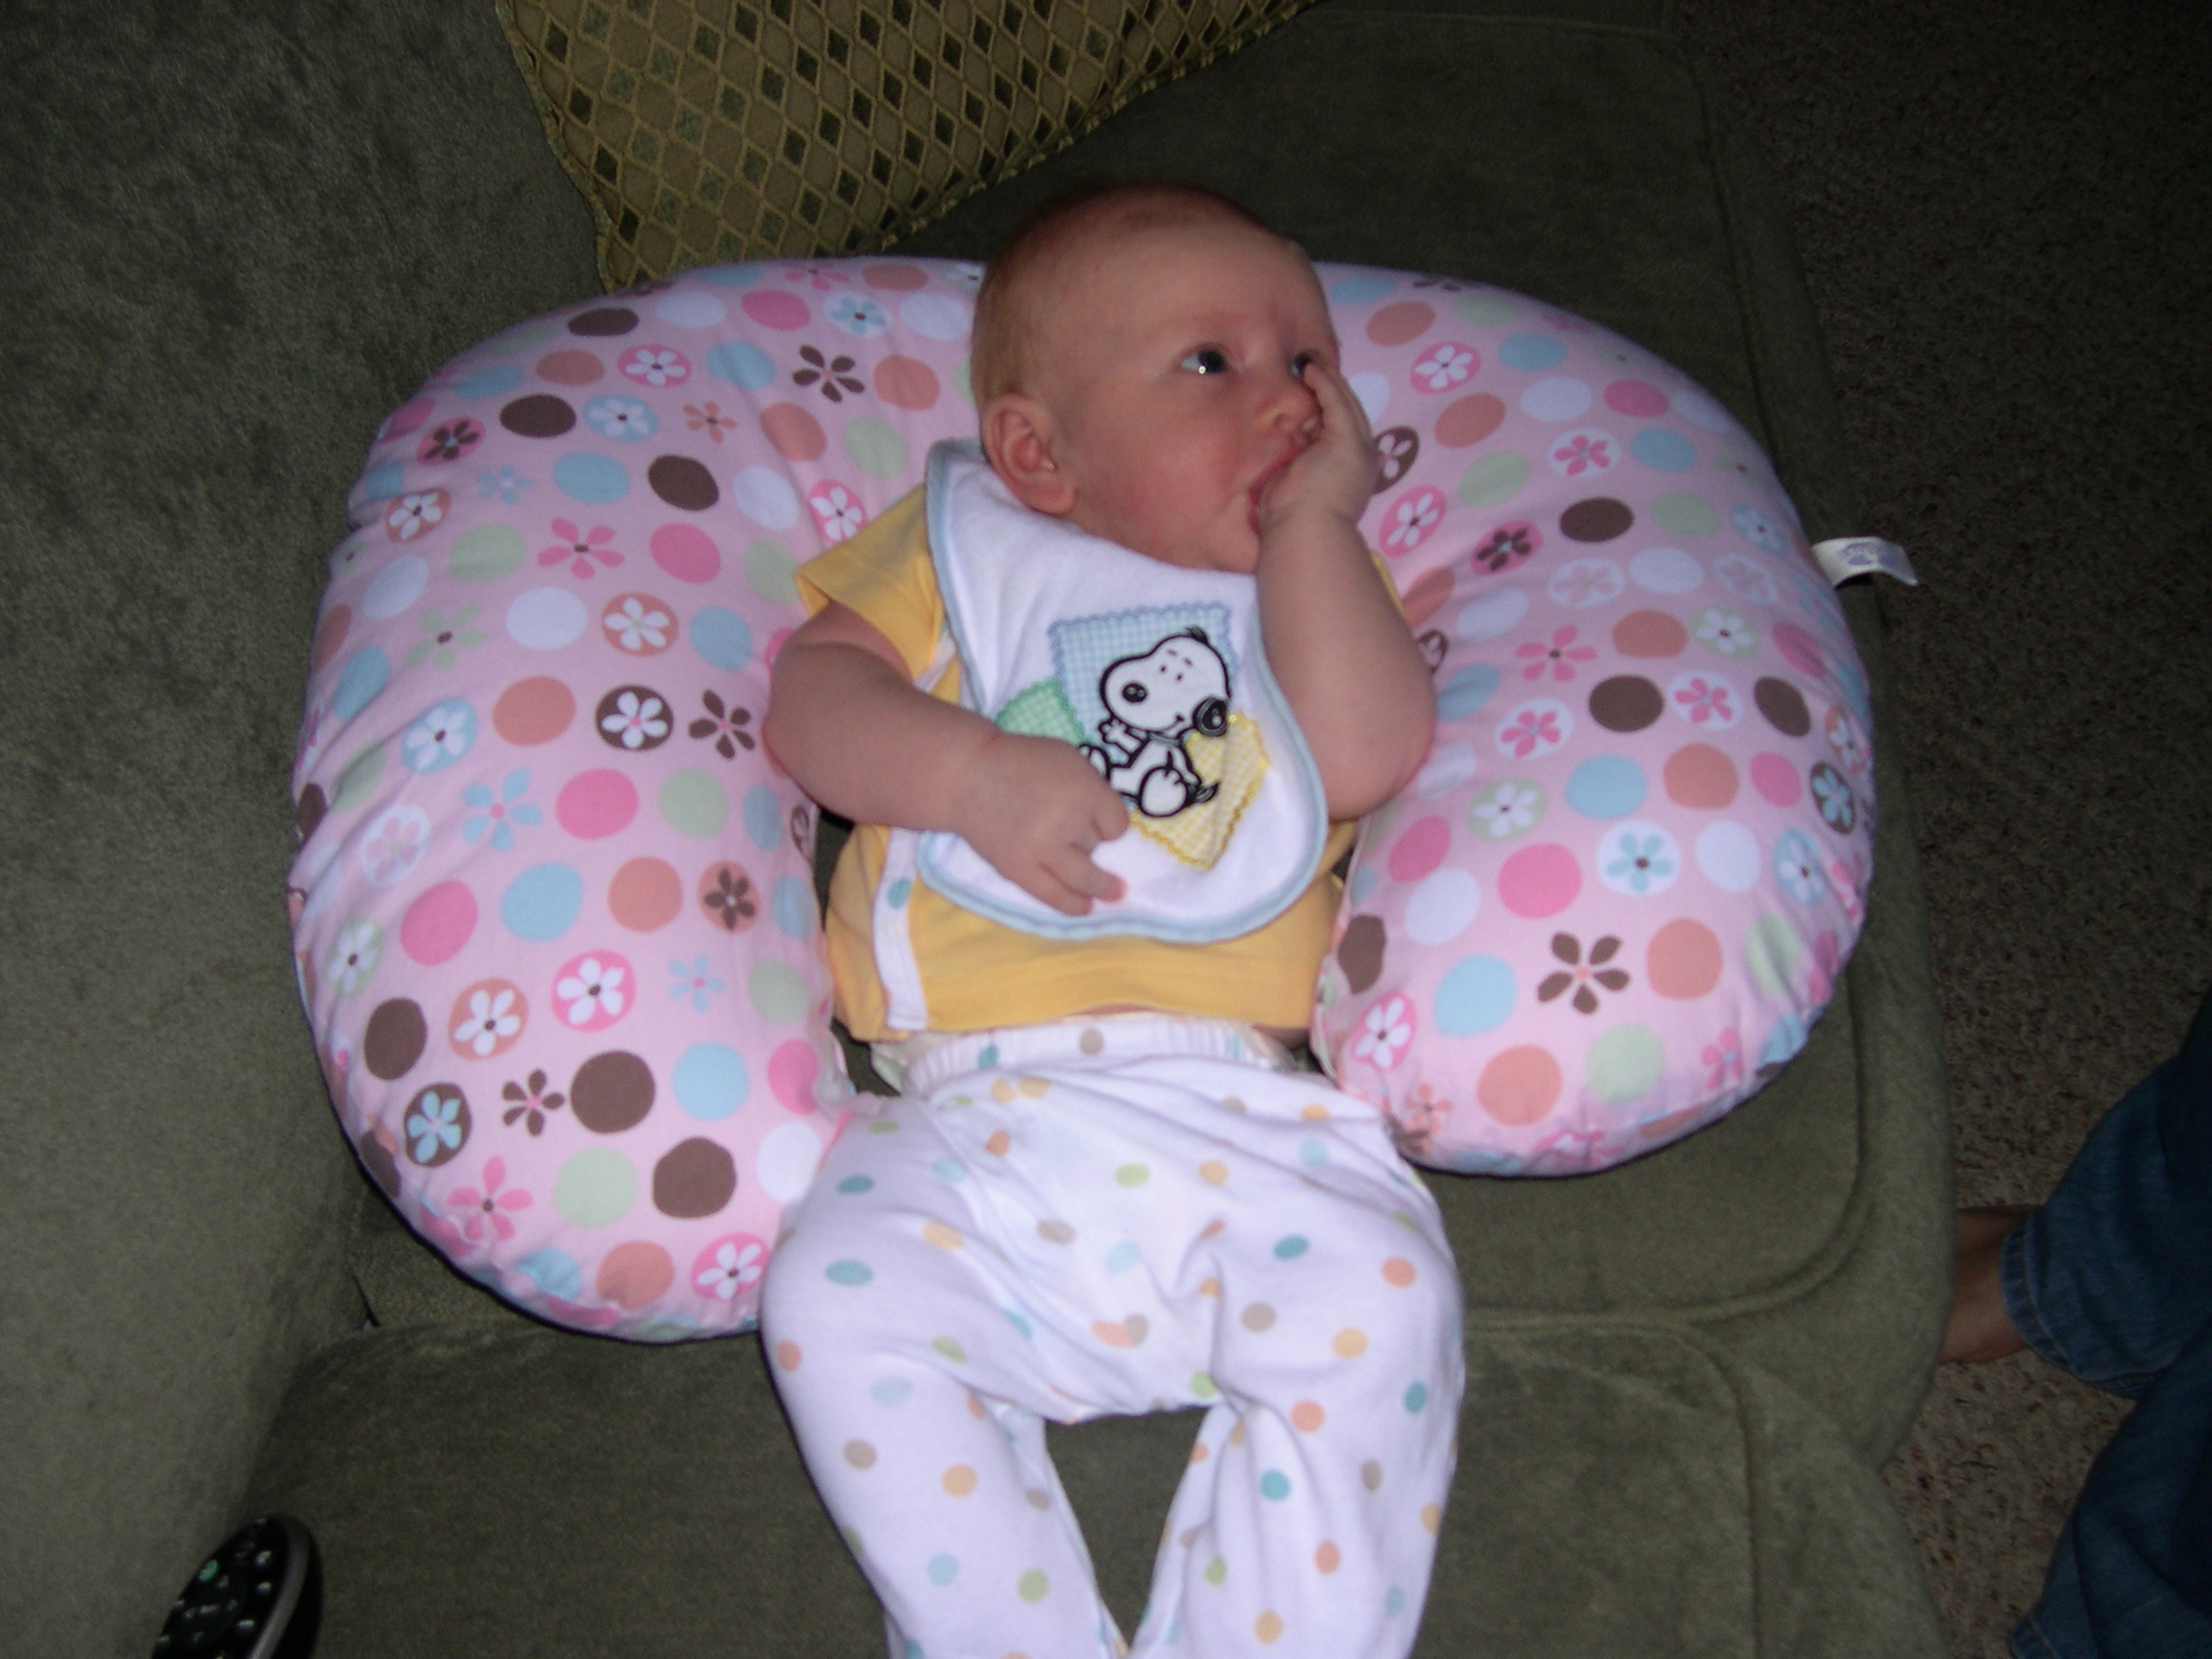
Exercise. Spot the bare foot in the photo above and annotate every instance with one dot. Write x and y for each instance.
(1981, 1329)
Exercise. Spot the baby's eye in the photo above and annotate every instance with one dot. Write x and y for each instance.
(1207, 360)
(1303, 361)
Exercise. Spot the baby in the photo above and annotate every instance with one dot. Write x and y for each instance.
(1105, 700)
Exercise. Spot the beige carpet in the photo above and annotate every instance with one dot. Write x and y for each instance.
(2004, 219)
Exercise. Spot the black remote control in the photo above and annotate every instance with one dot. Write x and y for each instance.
(257, 1596)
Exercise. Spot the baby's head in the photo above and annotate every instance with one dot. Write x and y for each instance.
(1138, 368)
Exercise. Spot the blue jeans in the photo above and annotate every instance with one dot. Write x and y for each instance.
(2112, 1279)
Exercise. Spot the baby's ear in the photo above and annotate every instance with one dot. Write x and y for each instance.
(1017, 438)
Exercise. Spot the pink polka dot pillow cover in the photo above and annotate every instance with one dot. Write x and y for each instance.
(1619, 893)
(553, 914)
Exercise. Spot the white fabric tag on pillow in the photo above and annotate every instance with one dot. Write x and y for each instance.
(1848, 556)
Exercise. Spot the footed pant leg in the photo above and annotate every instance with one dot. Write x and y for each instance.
(1307, 1521)
(901, 1365)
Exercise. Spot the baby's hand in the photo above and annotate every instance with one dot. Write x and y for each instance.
(1335, 472)
(1034, 807)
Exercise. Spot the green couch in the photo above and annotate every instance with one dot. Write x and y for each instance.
(240, 234)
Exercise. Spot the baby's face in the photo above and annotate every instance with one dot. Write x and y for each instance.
(1170, 364)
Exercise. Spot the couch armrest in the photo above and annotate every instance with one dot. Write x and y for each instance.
(237, 238)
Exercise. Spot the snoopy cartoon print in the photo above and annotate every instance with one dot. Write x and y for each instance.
(1153, 702)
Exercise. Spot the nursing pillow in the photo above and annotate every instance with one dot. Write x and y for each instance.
(553, 914)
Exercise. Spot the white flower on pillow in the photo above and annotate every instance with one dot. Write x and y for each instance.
(657, 365)
(637, 629)
(354, 956)
(442, 736)
(594, 989)
(621, 418)
(491, 1016)
(1507, 809)
(1386, 1033)
(1745, 578)
(1585, 582)
(1798, 867)
(730, 1265)
(1727, 633)
(857, 315)
(1444, 367)
(395, 845)
(411, 515)
(636, 719)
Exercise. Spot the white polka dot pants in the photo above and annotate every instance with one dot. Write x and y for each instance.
(1113, 1217)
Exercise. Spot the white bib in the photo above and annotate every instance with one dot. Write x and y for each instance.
(1157, 675)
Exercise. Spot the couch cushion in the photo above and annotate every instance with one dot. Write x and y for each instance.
(215, 289)
(1621, 1488)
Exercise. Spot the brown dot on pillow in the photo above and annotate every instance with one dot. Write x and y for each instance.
(541, 414)
(611, 1092)
(694, 1178)
(1597, 518)
(394, 1039)
(435, 1126)
(1361, 953)
(603, 321)
(376, 1158)
(682, 482)
(1627, 702)
(1783, 707)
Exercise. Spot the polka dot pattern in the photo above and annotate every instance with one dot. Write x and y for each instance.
(545, 858)
(1621, 893)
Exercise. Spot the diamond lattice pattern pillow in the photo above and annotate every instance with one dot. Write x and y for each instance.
(715, 129)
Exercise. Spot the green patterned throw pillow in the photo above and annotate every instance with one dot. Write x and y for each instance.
(703, 131)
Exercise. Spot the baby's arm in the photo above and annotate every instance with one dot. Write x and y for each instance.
(860, 738)
(1338, 645)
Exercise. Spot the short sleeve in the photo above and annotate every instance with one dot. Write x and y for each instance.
(884, 573)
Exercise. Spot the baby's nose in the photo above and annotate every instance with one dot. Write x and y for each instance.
(1291, 405)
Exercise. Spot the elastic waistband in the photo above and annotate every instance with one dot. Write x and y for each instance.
(919, 1064)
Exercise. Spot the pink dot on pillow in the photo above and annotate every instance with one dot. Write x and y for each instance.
(774, 308)
(592, 805)
(1800, 648)
(409, 415)
(1775, 779)
(1395, 325)
(1636, 397)
(645, 894)
(1519, 1085)
(1421, 849)
(1684, 960)
(1540, 882)
(635, 1274)
(438, 924)
(906, 382)
(790, 1074)
(687, 553)
(533, 711)
(796, 434)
